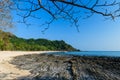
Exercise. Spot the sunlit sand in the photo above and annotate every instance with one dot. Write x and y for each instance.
(10, 71)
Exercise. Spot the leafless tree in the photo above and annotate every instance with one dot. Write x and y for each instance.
(69, 10)
(5, 14)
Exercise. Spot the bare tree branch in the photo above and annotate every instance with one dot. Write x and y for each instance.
(69, 10)
(5, 14)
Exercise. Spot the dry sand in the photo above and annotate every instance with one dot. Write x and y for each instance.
(9, 71)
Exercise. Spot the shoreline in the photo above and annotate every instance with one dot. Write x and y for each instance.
(10, 71)
(13, 64)
(52, 67)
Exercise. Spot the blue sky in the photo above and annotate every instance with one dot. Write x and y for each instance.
(96, 33)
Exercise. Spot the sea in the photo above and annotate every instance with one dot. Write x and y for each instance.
(91, 53)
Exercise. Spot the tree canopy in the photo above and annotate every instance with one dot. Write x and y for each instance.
(10, 42)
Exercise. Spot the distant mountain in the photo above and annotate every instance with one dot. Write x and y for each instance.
(9, 41)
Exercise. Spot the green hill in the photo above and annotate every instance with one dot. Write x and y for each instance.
(9, 41)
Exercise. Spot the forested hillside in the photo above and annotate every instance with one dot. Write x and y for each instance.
(9, 41)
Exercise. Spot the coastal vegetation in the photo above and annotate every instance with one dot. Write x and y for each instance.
(9, 41)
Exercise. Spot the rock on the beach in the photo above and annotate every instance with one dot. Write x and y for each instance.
(56, 67)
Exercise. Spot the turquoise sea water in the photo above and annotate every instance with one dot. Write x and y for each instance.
(92, 53)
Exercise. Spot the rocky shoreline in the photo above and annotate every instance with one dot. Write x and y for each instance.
(68, 67)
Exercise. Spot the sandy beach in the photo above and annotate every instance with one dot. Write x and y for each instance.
(9, 71)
